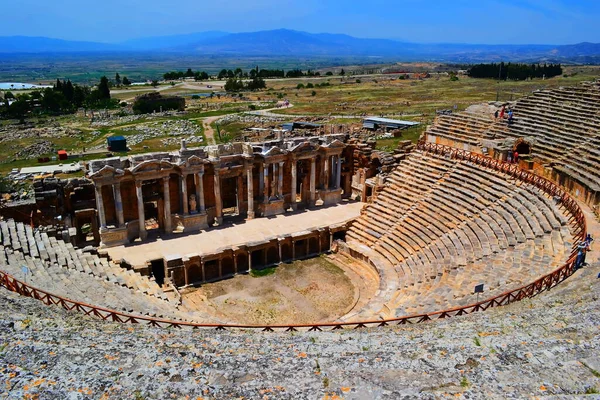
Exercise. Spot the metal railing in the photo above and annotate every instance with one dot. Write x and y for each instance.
(532, 289)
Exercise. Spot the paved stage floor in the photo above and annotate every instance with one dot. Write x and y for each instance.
(236, 233)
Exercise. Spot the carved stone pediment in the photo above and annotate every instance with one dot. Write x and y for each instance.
(273, 151)
(336, 144)
(152, 166)
(304, 147)
(107, 172)
(193, 161)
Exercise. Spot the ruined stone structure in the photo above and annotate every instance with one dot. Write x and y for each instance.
(193, 189)
(442, 219)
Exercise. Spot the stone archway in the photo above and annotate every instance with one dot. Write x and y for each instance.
(522, 147)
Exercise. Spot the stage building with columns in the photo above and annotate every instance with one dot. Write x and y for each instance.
(193, 189)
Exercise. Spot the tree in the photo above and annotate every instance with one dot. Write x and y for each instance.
(256, 83)
(104, 89)
(329, 73)
(19, 109)
(68, 91)
(126, 81)
(117, 79)
(313, 93)
(233, 85)
(300, 86)
(222, 74)
(309, 85)
(154, 83)
(189, 73)
(342, 72)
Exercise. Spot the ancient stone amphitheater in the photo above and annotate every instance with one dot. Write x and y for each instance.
(452, 215)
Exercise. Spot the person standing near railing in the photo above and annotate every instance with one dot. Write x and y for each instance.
(581, 250)
(588, 246)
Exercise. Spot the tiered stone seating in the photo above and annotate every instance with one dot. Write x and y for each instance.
(563, 123)
(57, 267)
(450, 225)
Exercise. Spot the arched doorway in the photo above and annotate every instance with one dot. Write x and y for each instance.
(272, 255)
(242, 262)
(522, 147)
(211, 270)
(227, 266)
(194, 274)
(286, 252)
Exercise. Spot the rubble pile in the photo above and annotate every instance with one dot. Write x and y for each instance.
(118, 120)
(36, 149)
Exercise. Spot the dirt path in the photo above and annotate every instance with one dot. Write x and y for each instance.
(209, 132)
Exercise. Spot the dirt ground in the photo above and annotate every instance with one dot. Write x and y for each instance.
(301, 292)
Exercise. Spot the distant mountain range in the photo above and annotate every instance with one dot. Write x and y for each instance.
(284, 42)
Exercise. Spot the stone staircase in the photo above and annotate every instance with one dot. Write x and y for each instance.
(441, 226)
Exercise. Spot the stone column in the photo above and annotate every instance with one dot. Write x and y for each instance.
(313, 192)
(250, 192)
(240, 192)
(261, 178)
(338, 176)
(200, 192)
(326, 173)
(187, 280)
(141, 216)
(280, 180)
(266, 183)
(218, 199)
(184, 193)
(119, 204)
(100, 207)
(167, 204)
(294, 189)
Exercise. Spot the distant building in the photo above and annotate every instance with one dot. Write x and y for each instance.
(386, 123)
(62, 155)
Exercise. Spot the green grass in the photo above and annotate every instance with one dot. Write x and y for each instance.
(258, 273)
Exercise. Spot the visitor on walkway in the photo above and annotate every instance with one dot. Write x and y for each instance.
(581, 250)
(588, 246)
(502, 113)
(516, 157)
(496, 114)
(509, 158)
(510, 116)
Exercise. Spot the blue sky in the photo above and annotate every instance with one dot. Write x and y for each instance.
(456, 21)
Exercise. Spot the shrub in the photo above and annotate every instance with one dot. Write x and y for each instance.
(313, 93)
(300, 86)
(310, 86)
